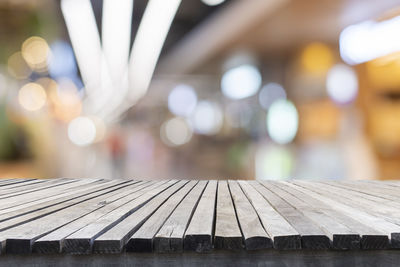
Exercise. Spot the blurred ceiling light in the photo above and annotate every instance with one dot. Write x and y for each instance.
(176, 132)
(241, 81)
(273, 163)
(153, 29)
(213, 2)
(82, 131)
(36, 51)
(282, 121)
(116, 36)
(270, 93)
(369, 40)
(32, 96)
(18, 67)
(61, 62)
(317, 58)
(207, 118)
(342, 84)
(82, 29)
(182, 100)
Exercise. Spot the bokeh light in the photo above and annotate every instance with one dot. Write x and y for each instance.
(273, 163)
(241, 81)
(213, 2)
(61, 63)
(369, 40)
(176, 132)
(35, 51)
(342, 84)
(207, 118)
(82, 131)
(317, 58)
(182, 100)
(270, 93)
(32, 96)
(282, 121)
(18, 67)
(65, 98)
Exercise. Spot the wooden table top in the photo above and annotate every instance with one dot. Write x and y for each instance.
(84, 216)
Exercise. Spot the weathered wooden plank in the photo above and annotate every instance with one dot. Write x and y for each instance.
(284, 235)
(227, 231)
(370, 238)
(114, 240)
(386, 210)
(21, 185)
(34, 187)
(198, 235)
(375, 222)
(42, 203)
(312, 236)
(363, 195)
(81, 242)
(341, 236)
(12, 221)
(387, 193)
(5, 182)
(171, 235)
(142, 239)
(14, 202)
(254, 234)
(19, 239)
(52, 242)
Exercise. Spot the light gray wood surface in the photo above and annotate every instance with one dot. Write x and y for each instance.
(83, 216)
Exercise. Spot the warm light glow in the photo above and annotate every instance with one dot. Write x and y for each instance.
(270, 93)
(213, 2)
(182, 100)
(207, 118)
(18, 67)
(116, 36)
(82, 131)
(32, 96)
(153, 29)
(36, 51)
(317, 58)
(282, 121)
(241, 82)
(67, 104)
(369, 40)
(273, 163)
(176, 132)
(342, 84)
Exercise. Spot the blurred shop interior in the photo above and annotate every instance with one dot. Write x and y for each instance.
(200, 89)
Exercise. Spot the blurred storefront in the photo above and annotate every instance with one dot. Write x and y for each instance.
(197, 89)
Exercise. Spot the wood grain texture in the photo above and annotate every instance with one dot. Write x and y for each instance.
(284, 236)
(170, 237)
(199, 234)
(254, 234)
(84, 216)
(312, 236)
(227, 230)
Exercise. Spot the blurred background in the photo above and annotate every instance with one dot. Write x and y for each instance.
(200, 89)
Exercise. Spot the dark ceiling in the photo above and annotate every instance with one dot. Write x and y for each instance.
(190, 13)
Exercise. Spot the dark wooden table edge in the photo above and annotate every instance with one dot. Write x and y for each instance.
(216, 258)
